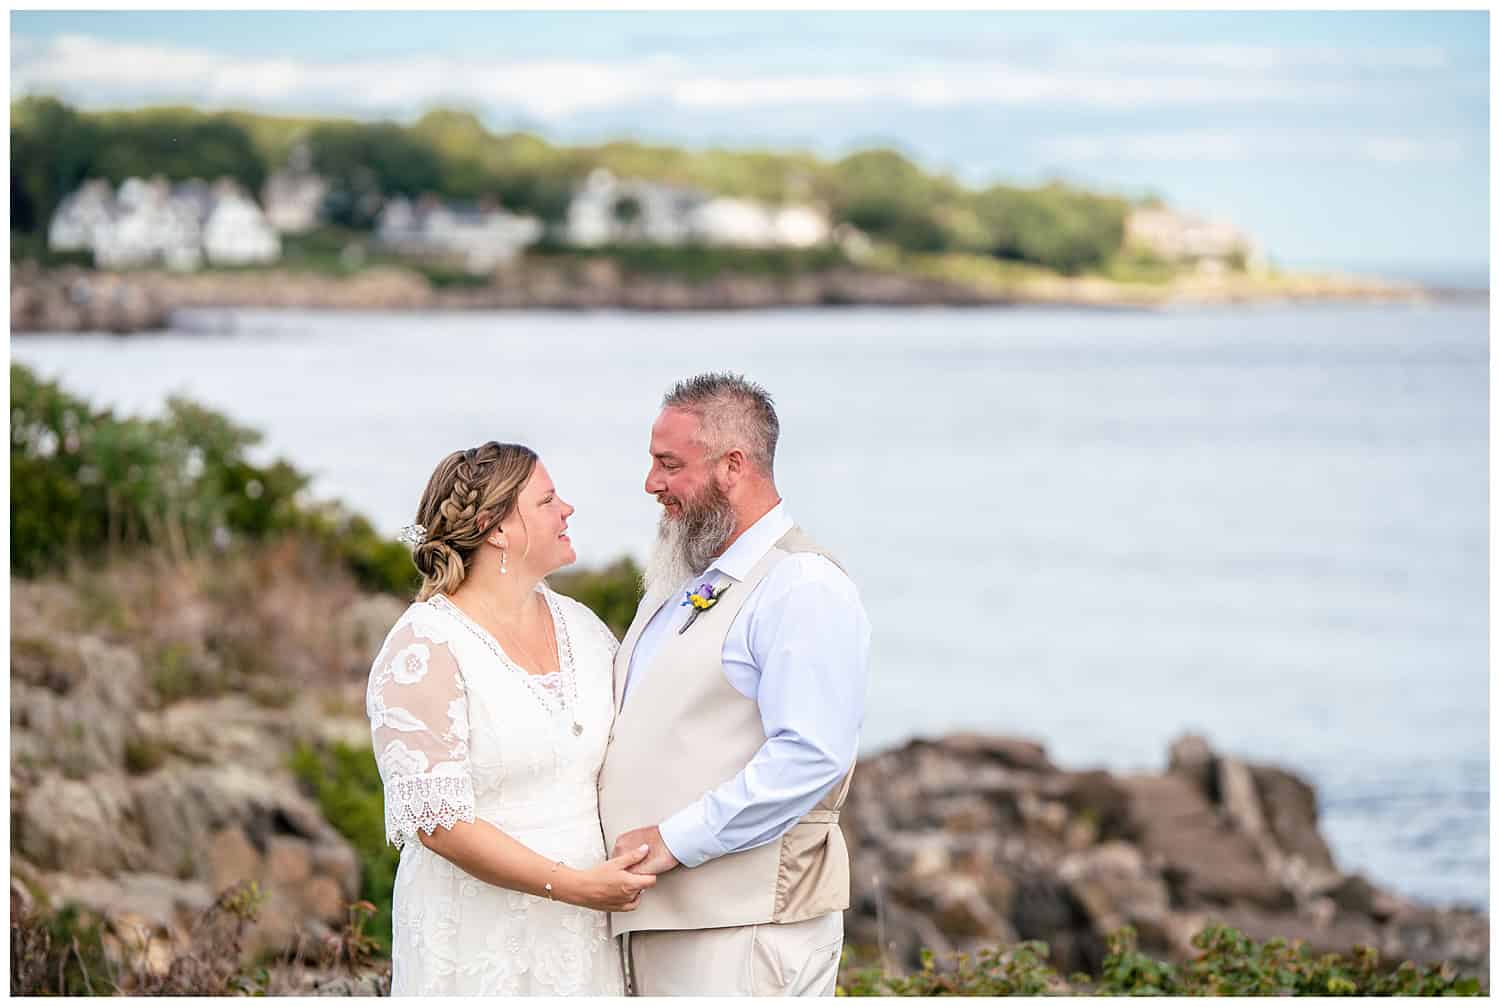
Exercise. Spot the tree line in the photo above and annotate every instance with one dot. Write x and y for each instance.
(448, 152)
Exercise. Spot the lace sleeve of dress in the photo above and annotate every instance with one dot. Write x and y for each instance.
(419, 726)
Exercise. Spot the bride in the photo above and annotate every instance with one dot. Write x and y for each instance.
(490, 706)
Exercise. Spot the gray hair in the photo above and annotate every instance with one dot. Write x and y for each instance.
(734, 413)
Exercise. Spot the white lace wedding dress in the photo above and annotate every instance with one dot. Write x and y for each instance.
(460, 732)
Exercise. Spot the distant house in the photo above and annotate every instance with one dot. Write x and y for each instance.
(237, 233)
(606, 209)
(82, 213)
(1179, 237)
(293, 197)
(481, 238)
(728, 221)
(801, 227)
(151, 222)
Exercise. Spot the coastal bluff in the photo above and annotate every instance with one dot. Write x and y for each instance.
(153, 765)
(970, 841)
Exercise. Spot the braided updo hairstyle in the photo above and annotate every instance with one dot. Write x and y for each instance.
(469, 493)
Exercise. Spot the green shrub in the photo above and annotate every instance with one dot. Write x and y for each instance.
(84, 481)
(58, 953)
(142, 755)
(1022, 971)
(612, 593)
(346, 784)
(1228, 964)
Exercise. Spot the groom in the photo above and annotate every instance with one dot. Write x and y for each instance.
(736, 717)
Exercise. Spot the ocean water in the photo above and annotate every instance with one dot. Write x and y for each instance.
(1098, 529)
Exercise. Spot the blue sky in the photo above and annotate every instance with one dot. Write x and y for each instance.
(1346, 139)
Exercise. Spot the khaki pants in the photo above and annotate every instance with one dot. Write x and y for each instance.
(771, 959)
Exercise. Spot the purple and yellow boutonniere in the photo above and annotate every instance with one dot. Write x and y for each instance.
(705, 597)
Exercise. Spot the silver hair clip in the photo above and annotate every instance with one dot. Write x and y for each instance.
(412, 535)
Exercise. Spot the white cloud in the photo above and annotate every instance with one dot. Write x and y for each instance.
(1243, 58)
(94, 69)
(1252, 144)
(99, 71)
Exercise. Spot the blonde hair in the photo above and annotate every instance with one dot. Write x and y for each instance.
(470, 492)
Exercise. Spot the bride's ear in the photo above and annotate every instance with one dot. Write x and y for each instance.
(496, 535)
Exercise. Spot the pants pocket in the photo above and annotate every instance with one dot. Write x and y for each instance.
(783, 967)
(819, 972)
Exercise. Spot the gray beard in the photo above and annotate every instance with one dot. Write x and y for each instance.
(686, 545)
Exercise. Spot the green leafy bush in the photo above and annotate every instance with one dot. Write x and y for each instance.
(612, 592)
(346, 784)
(1228, 964)
(84, 481)
(1021, 971)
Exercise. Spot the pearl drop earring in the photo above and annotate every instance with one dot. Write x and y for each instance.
(502, 560)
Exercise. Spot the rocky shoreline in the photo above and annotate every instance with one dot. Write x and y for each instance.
(149, 771)
(970, 841)
(73, 299)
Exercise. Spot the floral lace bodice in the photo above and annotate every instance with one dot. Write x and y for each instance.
(462, 733)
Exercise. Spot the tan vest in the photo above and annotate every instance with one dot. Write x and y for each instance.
(685, 731)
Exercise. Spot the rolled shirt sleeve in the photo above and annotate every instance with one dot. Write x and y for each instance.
(804, 649)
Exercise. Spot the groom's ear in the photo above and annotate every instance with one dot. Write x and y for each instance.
(734, 465)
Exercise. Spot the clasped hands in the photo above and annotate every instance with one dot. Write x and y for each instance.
(658, 860)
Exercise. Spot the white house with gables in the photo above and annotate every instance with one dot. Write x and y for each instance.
(481, 238)
(87, 210)
(152, 222)
(606, 210)
(293, 197)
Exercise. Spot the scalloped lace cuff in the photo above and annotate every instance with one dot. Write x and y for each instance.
(425, 802)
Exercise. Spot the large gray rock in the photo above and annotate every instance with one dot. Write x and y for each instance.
(1013, 753)
(80, 826)
(181, 807)
(1291, 813)
(362, 626)
(228, 730)
(1191, 757)
(156, 900)
(73, 704)
(1205, 860)
(1114, 885)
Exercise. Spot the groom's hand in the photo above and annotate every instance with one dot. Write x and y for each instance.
(658, 861)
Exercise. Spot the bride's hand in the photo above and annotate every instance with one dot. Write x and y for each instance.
(611, 887)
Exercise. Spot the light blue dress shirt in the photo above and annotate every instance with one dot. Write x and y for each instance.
(800, 648)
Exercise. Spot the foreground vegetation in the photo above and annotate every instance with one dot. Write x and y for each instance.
(1228, 964)
(64, 953)
(132, 515)
(68, 953)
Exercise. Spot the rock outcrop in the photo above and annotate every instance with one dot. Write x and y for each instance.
(149, 841)
(967, 842)
(142, 810)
